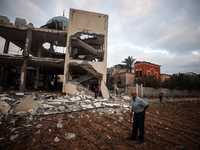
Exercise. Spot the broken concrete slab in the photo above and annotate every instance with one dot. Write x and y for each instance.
(26, 104)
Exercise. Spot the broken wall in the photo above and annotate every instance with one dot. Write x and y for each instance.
(86, 54)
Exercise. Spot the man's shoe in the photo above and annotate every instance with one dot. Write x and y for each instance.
(130, 138)
(139, 142)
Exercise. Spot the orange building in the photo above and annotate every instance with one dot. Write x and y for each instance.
(142, 68)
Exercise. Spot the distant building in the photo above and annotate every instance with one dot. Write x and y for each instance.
(142, 68)
(190, 74)
(124, 79)
(164, 77)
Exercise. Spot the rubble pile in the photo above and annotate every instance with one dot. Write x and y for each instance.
(27, 105)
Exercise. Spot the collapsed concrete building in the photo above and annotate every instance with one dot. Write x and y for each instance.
(84, 62)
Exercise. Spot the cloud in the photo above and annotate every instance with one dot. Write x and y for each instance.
(164, 32)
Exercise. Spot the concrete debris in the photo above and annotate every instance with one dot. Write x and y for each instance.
(14, 137)
(56, 139)
(47, 106)
(4, 108)
(7, 98)
(97, 104)
(70, 136)
(20, 94)
(111, 105)
(38, 126)
(26, 104)
(55, 104)
(126, 98)
(59, 124)
(38, 132)
(61, 108)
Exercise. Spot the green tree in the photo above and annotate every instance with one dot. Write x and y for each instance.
(129, 62)
(148, 81)
(183, 82)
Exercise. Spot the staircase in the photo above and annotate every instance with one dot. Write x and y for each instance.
(83, 78)
(98, 53)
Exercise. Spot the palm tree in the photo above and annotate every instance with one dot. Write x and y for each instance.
(129, 62)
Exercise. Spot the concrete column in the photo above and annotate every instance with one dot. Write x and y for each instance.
(23, 76)
(24, 65)
(37, 78)
(6, 46)
(28, 43)
(38, 68)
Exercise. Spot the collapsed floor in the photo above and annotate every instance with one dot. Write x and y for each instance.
(82, 122)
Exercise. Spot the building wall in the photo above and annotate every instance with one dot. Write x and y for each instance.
(147, 68)
(165, 77)
(149, 92)
(125, 78)
(87, 23)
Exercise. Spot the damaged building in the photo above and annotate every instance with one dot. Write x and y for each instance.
(84, 35)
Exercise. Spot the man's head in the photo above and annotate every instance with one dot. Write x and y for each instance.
(133, 94)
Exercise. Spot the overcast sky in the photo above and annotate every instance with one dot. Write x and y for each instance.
(163, 32)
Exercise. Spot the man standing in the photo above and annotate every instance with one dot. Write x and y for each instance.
(138, 107)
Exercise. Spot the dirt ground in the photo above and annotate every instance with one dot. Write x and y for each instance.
(168, 125)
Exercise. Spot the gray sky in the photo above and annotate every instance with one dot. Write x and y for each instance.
(163, 32)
